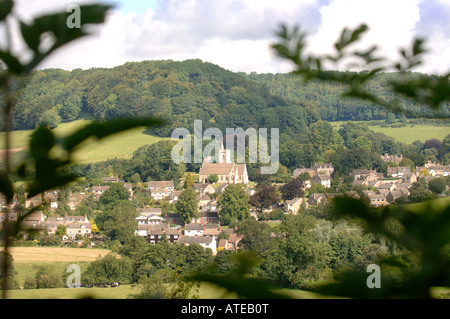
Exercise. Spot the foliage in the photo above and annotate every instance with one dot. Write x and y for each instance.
(165, 284)
(118, 220)
(187, 205)
(116, 192)
(108, 269)
(432, 91)
(233, 204)
(265, 197)
(292, 189)
(11, 272)
(48, 277)
(422, 230)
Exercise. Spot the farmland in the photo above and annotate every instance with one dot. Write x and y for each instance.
(408, 133)
(121, 145)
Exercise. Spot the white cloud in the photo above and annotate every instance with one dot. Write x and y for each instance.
(235, 34)
(391, 24)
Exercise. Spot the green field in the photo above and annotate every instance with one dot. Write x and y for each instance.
(121, 145)
(412, 133)
(408, 133)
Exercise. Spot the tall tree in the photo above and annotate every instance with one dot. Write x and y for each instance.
(187, 205)
(265, 197)
(234, 204)
(292, 189)
(116, 192)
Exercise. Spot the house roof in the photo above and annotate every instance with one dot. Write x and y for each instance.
(160, 184)
(100, 188)
(221, 168)
(149, 210)
(193, 227)
(157, 190)
(196, 240)
(79, 225)
(162, 229)
(293, 201)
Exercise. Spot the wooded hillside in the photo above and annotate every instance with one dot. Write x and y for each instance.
(182, 92)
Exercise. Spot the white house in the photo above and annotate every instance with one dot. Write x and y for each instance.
(204, 241)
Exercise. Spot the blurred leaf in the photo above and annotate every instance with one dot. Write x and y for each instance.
(12, 62)
(101, 130)
(46, 168)
(5, 8)
(56, 24)
(6, 186)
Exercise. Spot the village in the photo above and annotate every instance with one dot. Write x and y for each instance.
(153, 224)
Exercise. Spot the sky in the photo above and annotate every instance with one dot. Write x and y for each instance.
(237, 34)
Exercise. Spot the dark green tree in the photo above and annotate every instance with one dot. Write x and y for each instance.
(116, 192)
(234, 204)
(187, 205)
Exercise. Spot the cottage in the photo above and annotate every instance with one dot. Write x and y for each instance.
(316, 198)
(110, 179)
(78, 228)
(366, 175)
(221, 188)
(173, 197)
(203, 201)
(377, 200)
(149, 211)
(207, 217)
(99, 190)
(293, 205)
(34, 201)
(150, 219)
(392, 196)
(392, 158)
(129, 188)
(388, 187)
(169, 185)
(173, 218)
(398, 171)
(298, 171)
(194, 230)
(204, 241)
(323, 168)
(159, 193)
(409, 178)
(156, 232)
(233, 242)
(204, 188)
(325, 180)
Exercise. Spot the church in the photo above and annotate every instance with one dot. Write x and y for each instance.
(227, 171)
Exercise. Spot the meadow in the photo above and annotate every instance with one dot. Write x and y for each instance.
(408, 133)
(121, 145)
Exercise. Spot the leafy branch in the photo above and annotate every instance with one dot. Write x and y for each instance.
(432, 90)
(48, 156)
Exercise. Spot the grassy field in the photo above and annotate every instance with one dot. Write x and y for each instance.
(408, 133)
(27, 259)
(55, 254)
(121, 145)
(411, 133)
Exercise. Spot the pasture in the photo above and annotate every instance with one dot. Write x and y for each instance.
(121, 145)
(408, 133)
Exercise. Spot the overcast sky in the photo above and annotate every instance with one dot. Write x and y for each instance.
(236, 34)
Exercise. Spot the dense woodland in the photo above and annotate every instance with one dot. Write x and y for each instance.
(183, 91)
